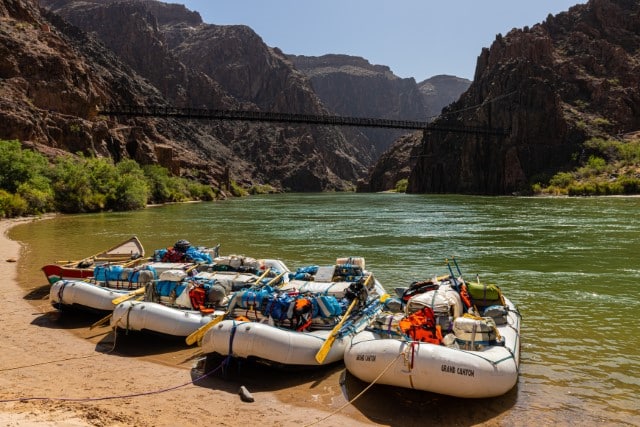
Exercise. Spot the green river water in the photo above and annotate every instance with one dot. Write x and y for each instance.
(571, 265)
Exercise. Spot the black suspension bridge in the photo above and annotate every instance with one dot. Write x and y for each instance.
(265, 116)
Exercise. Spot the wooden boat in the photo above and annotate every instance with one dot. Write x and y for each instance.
(168, 306)
(275, 337)
(468, 362)
(127, 252)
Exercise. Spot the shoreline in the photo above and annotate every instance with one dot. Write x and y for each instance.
(51, 377)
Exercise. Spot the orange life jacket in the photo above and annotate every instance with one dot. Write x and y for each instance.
(302, 313)
(464, 295)
(421, 326)
(198, 297)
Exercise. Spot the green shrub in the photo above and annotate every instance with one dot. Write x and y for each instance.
(132, 193)
(601, 122)
(72, 186)
(12, 205)
(582, 189)
(630, 184)
(198, 191)
(18, 166)
(237, 190)
(262, 189)
(166, 188)
(38, 194)
(561, 179)
(597, 163)
(401, 185)
(629, 152)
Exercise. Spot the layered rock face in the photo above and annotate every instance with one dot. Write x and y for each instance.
(440, 91)
(575, 76)
(54, 75)
(351, 86)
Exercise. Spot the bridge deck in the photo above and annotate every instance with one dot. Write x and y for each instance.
(265, 116)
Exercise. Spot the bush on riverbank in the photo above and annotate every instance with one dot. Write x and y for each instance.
(612, 168)
(31, 185)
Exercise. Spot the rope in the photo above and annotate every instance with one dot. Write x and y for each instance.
(359, 394)
(86, 356)
(122, 396)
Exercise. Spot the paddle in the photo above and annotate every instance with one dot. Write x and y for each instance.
(275, 279)
(453, 277)
(106, 318)
(199, 333)
(135, 261)
(457, 268)
(328, 343)
(128, 296)
(69, 263)
(102, 321)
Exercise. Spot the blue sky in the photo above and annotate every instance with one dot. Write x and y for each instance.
(415, 38)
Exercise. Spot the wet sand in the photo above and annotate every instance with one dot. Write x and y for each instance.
(54, 371)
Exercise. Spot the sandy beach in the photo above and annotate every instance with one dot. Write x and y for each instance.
(52, 377)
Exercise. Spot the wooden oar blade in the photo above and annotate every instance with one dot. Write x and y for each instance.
(199, 333)
(328, 343)
(101, 321)
(324, 350)
(128, 296)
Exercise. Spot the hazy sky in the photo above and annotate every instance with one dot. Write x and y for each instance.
(415, 38)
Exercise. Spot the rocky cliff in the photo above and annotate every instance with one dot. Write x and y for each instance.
(572, 77)
(51, 79)
(440, 91)
(54, 74)
(351, 86)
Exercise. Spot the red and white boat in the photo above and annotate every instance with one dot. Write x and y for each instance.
(129, 253)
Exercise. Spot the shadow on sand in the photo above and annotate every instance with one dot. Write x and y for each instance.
(397, 406)
(221, 373)
(142, 344)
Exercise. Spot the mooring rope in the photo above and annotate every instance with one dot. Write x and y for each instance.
(122, 396)
(359, 394)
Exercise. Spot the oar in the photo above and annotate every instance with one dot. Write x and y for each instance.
(105, 319)
(453, 277)
(262, 276)
(457, 268)
(275, 279)
(328, 343)
(128, 296)
(199, 333)
(135, 261)
(102, 321)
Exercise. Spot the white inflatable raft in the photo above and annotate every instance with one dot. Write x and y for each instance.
(96, 295)
(486, 372)
(87, 296)
(175, 316)
(285, 347)
(154, 317)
